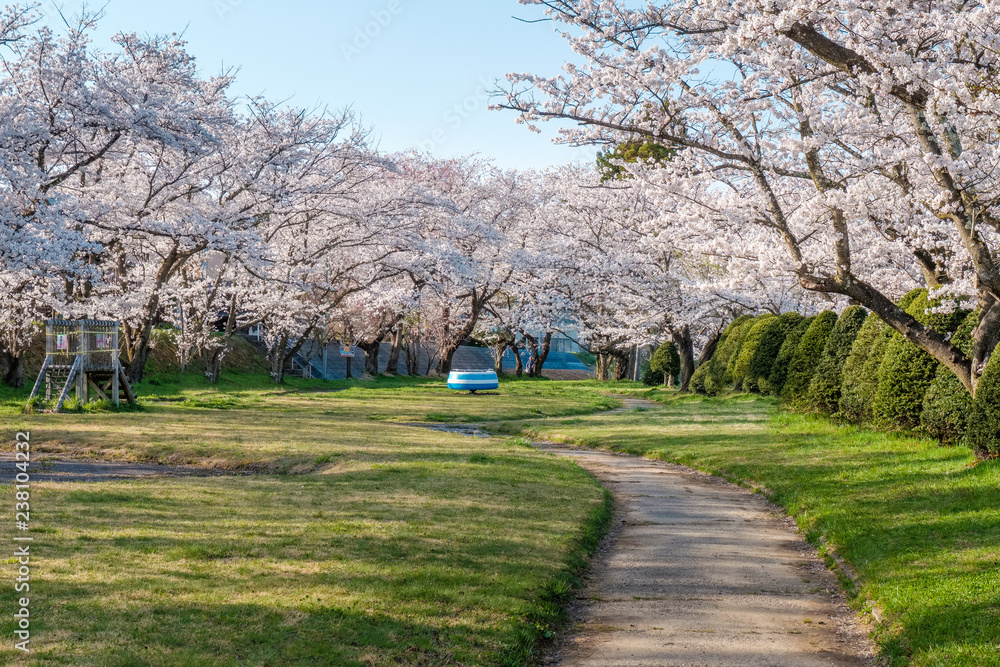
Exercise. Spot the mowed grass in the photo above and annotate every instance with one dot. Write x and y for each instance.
(919, 523)
(248, 422)
(378, 544)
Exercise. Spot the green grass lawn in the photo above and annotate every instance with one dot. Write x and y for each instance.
(373, 543)
(249, 422)
(919, 523)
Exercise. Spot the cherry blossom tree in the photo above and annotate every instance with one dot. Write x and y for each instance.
(849, 145)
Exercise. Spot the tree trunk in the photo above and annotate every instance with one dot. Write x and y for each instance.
(13, 369)
(397, 344)
(531, 344)
(621, 366)
(709, 350)
(447, 355)
(543, 354)
(140, 354)
(213, 363)
(498, 361)
(278, 356)
(518, 362)
(413, 358)
(371, 350)
(685, 350)
(457, 338)
(603, 365)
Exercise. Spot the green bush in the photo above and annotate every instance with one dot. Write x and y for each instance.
(665, 363)
(736, 341)
(651, 378)
(824, 390)
(767, 350)
(907, 371)
(946, 408)
(740, 364)
(698, 378)
(779, 369)
(947, 403)
(983, 433)
(807, 355)
(729, 344)
(859, 379)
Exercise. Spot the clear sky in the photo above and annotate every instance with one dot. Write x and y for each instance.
(417, 71)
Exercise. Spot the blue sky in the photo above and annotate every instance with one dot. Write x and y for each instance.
(418, 76)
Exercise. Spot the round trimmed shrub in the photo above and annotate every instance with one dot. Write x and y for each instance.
(947, 403)
(729, 344)
(767, 350)
(859, 379)
(907, 371)
(983, 433)
(755, 333)
(775, 381)
(807, 356)
(665, 363)
(824, 389)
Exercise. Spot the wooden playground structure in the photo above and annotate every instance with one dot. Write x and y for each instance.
(81, 356)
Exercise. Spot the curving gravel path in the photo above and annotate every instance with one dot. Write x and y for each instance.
(700, 572)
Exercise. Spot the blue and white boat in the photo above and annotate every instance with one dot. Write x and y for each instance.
(473, 381)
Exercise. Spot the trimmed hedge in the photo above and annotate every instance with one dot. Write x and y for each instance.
(737, 339)
(984, 416)
(779, 369)
(665, 363)
(807, 357)
(698, 378)
(824, 389)
(715, 379)
(755, 333)
(767, 350)
(907, 371)
(859, 379)
(947, 403)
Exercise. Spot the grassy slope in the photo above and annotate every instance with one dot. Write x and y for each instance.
(401, 546)
(919, 523)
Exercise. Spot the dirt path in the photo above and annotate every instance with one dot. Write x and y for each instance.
(699, 573)
(702, 572)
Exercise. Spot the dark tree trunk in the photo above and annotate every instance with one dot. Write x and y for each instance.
(685, 349)
(140, 354)
(413, 358)
(621, 366)
(543, 354)
(397, 344)
(13, 369)
(371, 350)
(531, 345)
(709, 350)
(451, 347)
(518, 362)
